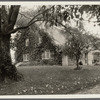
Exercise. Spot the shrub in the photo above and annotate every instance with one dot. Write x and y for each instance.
(47, 62)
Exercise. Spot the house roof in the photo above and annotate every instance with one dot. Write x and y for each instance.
(55, 32)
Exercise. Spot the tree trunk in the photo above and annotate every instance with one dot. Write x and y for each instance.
(7, 70)
(77, 64)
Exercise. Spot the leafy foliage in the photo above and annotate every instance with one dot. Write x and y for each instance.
(74, 46)
(94, 10)
(35, 49)
(78, 44)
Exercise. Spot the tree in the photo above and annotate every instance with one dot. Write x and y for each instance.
(7, 24)
(75, 45)
(8, 18)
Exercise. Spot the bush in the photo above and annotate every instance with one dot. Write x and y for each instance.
(47, 62)
(38, 62)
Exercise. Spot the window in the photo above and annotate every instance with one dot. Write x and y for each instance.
(26, 57)
(39, 40)
(46, 55)
(27, 42)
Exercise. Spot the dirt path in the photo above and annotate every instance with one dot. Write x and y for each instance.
(91, 90)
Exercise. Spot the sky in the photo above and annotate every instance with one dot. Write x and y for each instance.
(91, 26)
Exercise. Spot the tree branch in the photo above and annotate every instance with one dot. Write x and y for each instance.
(23, 27)
(41, 13)
(13, 14)
(31, 21)
(24, 15)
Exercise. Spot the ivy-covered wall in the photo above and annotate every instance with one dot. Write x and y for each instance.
(35, 49)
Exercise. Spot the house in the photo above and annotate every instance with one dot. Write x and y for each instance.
(93, 57)
(90, 58)
(36, 46)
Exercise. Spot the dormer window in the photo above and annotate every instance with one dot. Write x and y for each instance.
(27, 42)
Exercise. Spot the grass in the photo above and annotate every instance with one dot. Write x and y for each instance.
(52, 80)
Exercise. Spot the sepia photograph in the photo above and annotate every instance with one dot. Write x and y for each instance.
(49, 48)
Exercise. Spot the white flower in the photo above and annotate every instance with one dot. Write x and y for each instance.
(78, 82)
(35, 91)
(25, 90)
(32, 88)
(47, 85)
(62, 86)
(18, 92)
(52, 91)
(58, 88)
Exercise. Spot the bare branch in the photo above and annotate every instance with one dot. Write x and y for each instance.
(24, 15)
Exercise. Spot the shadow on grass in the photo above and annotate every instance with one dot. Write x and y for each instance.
(39, 80)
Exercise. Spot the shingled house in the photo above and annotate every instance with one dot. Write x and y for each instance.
(36, 46)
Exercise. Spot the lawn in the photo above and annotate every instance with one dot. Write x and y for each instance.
(52, 80)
